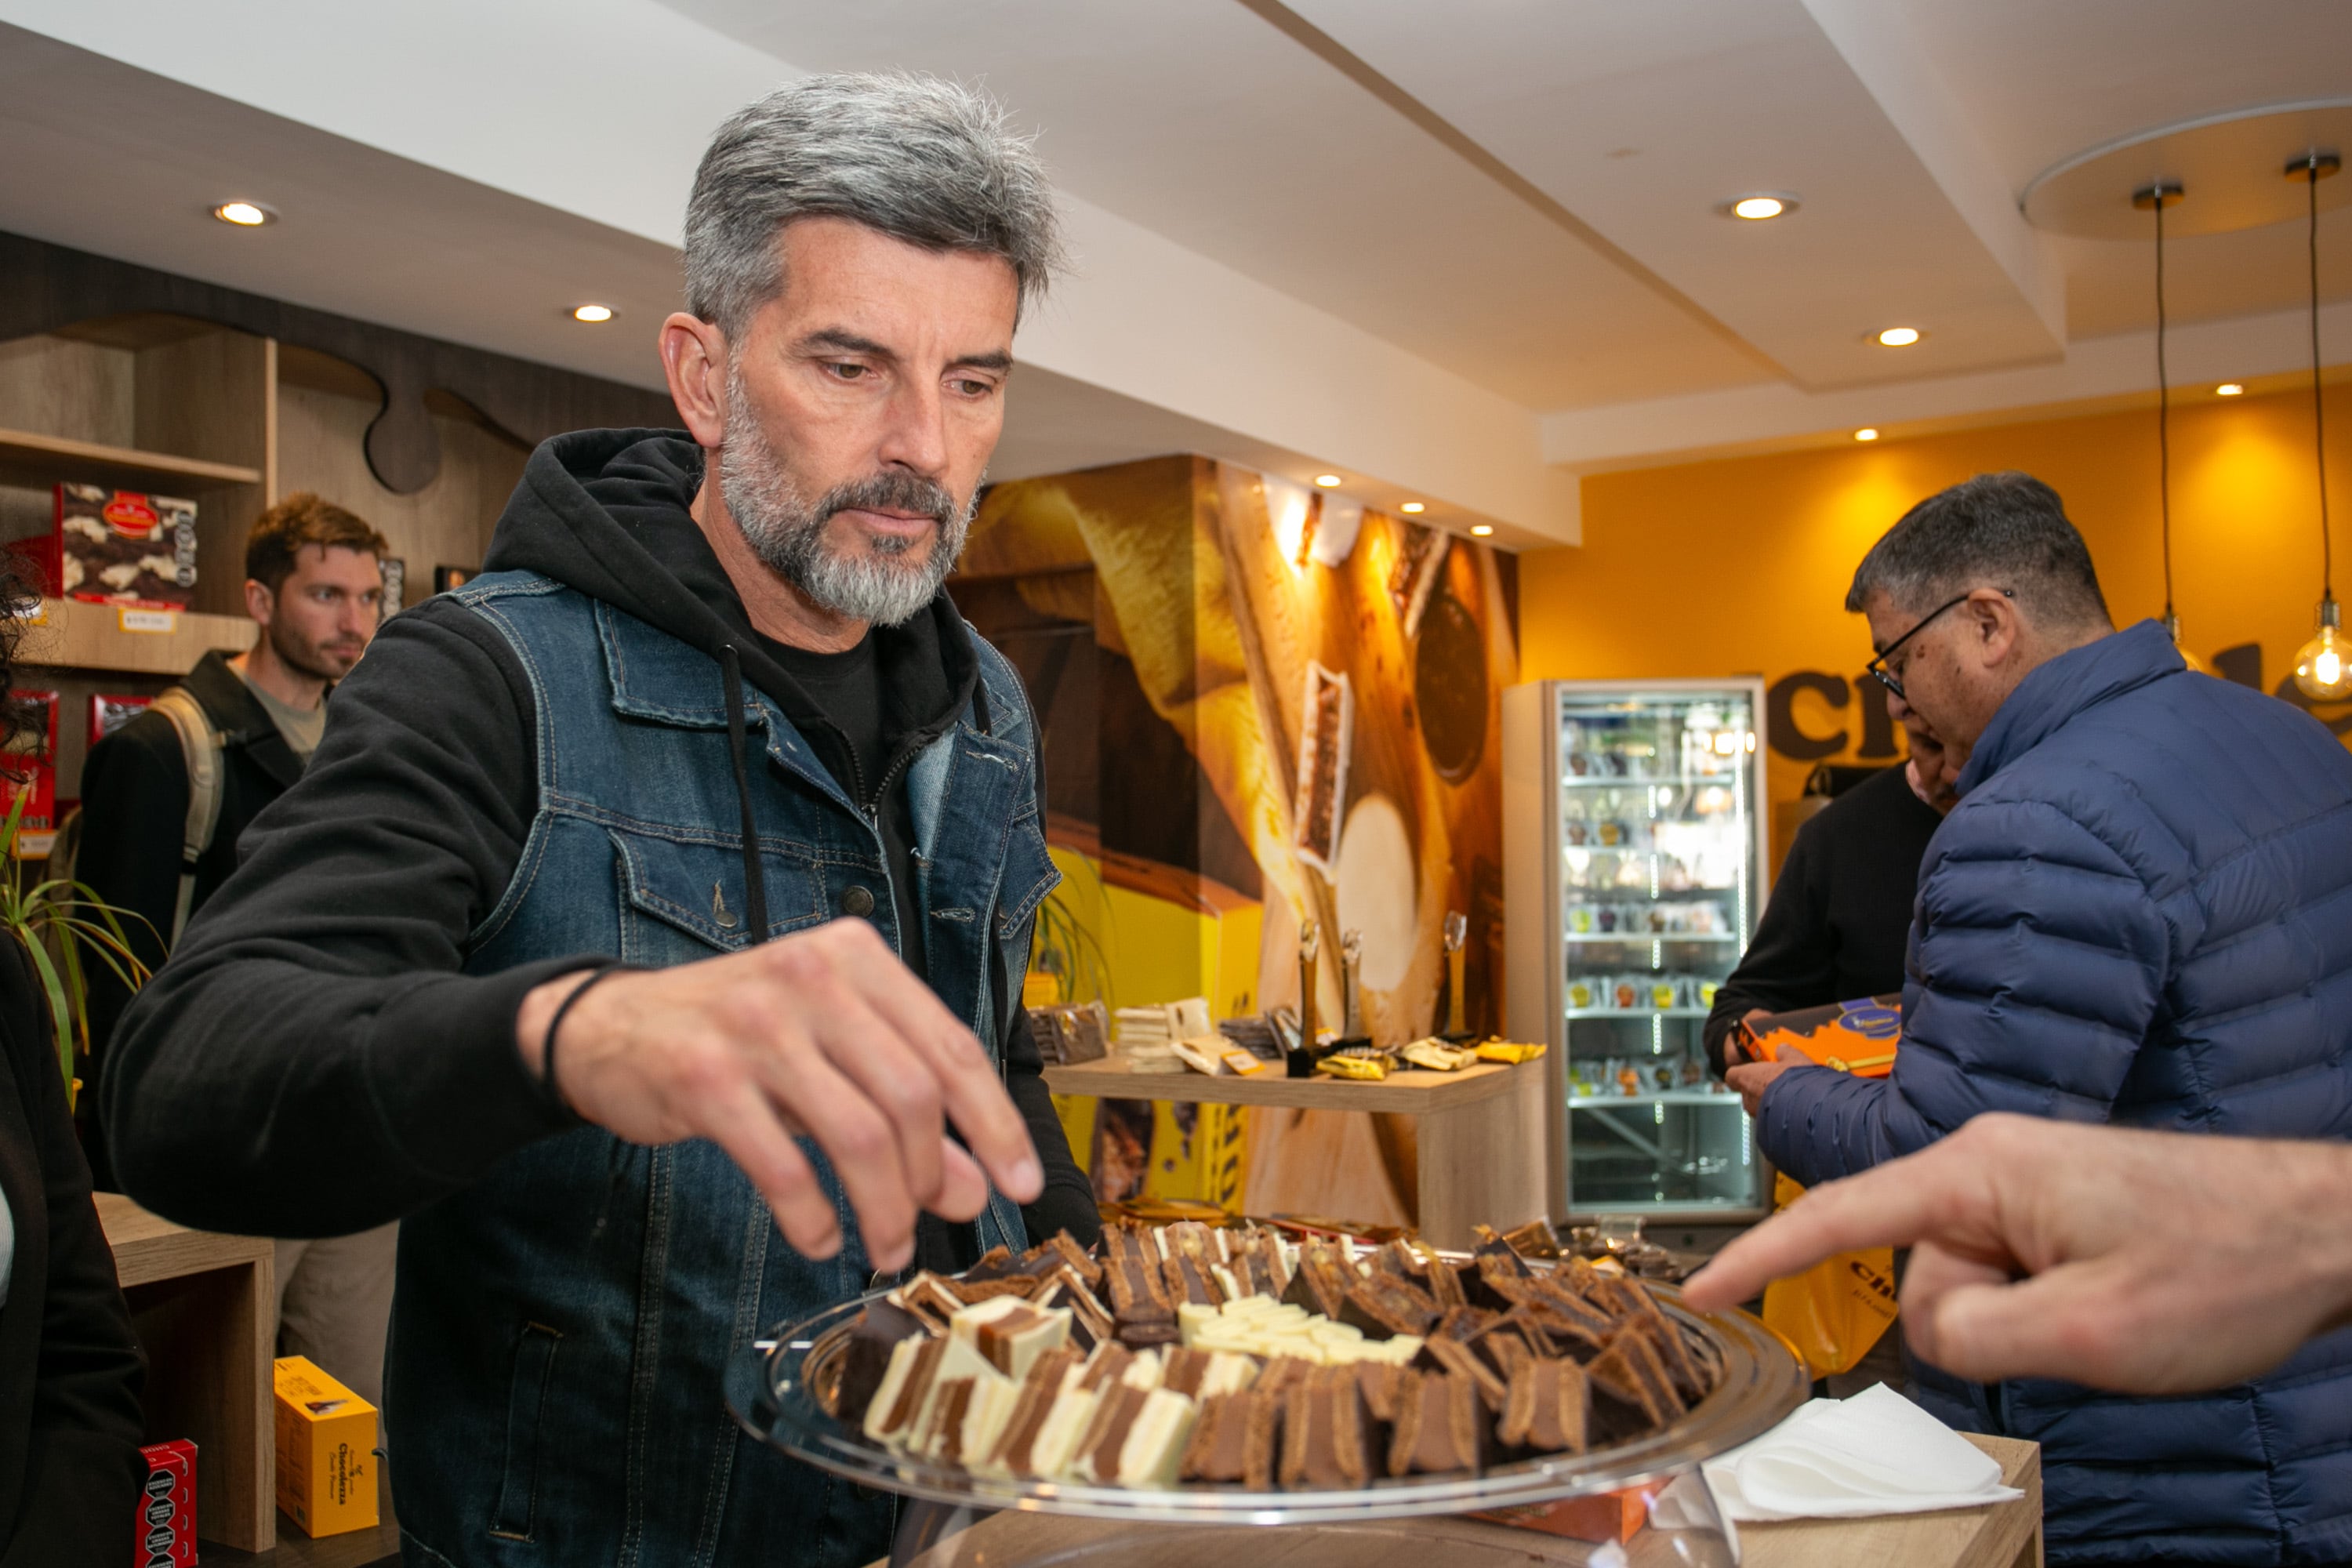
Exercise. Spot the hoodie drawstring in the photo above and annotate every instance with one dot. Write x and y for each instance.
(755, 881)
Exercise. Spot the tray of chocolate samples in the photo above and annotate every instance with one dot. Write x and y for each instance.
(1232, 1374)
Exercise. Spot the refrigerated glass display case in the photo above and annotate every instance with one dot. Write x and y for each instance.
(1633, 877)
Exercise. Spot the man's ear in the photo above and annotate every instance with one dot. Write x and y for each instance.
(1994, 617)
(261, 603)
(694, 359)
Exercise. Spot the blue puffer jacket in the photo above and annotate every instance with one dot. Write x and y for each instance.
(2140, 912)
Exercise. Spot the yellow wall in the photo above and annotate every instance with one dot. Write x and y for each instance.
(1740, 566)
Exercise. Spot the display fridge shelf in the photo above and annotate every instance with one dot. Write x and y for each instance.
(1638, 1014)
(1653, 1097)
(1639, 937)
(1598, 781)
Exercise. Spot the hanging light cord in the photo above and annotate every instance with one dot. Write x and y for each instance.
(2318, 417)
(2164, 414)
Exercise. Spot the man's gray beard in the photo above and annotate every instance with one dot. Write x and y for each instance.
(868, 582)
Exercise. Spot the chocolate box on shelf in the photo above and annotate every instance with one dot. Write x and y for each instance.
(123, 547)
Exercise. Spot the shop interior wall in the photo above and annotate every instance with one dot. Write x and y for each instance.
(1740, 566)
(1170, 627)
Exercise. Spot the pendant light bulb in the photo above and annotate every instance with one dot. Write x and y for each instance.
(2323, 667)
(2171, 624)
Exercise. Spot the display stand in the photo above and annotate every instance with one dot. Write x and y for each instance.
(1480, 1159)
(2003, 1535)
(204, 1306)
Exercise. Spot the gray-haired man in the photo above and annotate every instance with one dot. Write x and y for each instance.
(542, 954)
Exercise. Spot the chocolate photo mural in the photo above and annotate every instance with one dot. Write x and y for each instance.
(1260, 706)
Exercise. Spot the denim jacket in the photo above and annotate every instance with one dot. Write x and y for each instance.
(554, 1376)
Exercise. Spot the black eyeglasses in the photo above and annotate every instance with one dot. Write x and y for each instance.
(1876, 669)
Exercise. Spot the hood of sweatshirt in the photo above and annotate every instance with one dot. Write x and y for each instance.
(606, 512)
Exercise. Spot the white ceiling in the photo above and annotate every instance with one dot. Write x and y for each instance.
(1434, 246)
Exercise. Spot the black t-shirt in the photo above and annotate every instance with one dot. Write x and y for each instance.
(1839, 916)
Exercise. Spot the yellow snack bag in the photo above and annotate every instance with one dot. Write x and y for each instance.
(1835, 1310)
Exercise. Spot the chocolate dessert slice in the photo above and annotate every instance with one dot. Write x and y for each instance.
(1262, 1437)
(1548, 1408)
(1629, 1372)
(1153, 1451)
(1443, 1425)
(1010, 1334)
(1384, 1306)
(1323, 1280)
(1099, 1452)
(1460, 1360)
(866, 1359)
(1220, 1440)
(905, 1387)
(1015, 1448)
(1326, 1437)
(1080, 1264)
(1062, 1291)
(928, 1297)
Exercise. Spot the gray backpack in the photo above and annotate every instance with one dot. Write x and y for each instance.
(202, 749)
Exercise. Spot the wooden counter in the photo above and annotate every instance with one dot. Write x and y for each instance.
(2005, 1535)
(204, 1309)
(1480, 1131)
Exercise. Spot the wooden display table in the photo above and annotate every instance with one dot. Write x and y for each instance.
(2005, 1535)
(1481, 1131)
(204, 1309)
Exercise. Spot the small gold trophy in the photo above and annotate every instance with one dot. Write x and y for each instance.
(1457, 932)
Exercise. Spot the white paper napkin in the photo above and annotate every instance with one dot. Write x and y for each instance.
(1844, 1459)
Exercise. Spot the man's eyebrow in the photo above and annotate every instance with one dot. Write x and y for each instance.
(996, 360)
(844, 342)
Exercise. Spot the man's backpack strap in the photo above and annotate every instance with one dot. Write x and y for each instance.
(201, 747)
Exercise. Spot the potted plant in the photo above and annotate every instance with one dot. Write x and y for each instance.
(56, 920)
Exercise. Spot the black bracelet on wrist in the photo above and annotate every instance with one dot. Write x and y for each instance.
(547, 1048)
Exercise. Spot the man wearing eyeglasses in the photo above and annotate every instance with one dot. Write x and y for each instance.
(2140, 912)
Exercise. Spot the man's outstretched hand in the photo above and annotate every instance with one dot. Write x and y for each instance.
(2144, 1262)
(823, 1033)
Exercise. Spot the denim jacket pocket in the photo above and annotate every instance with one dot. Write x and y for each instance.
(1029, 875)
(692, 885)
(534, 1371)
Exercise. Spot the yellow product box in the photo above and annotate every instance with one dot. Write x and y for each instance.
(326, 1451)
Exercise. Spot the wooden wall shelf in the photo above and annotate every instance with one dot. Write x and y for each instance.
(1478, 1134)
(79, 635)
(204, 1309)
(96, 463)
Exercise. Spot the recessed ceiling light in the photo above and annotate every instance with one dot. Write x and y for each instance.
(245, 214)
(1482, 529)
(2229, 389)
(592, 313)
(1866, 433)
(1761, 206)
(1899, 337)
(1413, 508)
(1326, 480)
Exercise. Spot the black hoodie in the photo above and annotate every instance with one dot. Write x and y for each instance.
(311, 1061)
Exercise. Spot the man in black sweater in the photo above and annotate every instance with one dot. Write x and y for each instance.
(648, 932)
(1840, 914)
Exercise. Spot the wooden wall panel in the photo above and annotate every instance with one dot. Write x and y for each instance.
(204, 396)
(446, 524)
(59, 387)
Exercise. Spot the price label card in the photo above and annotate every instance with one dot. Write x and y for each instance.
(133, 620)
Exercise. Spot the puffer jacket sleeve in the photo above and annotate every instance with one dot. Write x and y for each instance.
(2037, 964)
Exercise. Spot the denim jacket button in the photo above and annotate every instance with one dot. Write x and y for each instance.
(857, 901)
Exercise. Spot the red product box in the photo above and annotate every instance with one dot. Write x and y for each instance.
(31, 770)
(165, 1536)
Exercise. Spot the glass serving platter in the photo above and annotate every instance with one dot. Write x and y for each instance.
(774, 1390)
